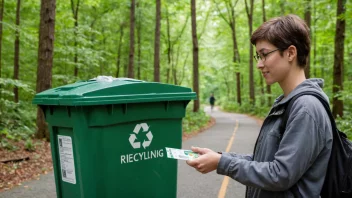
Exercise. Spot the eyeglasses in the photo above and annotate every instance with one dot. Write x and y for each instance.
(262, 56)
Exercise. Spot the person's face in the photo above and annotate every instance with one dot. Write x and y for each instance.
(273, 66)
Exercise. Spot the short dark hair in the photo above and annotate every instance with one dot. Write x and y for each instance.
(285, 31)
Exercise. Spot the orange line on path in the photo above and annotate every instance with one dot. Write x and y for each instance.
(225, 182)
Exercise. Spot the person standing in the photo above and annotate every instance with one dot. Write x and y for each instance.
(293, 164)
(212, 101)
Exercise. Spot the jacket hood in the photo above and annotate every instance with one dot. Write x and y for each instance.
(312, 84)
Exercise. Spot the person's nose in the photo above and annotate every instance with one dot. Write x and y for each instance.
(260, 64)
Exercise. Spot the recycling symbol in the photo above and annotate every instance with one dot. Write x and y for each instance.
(133, 138)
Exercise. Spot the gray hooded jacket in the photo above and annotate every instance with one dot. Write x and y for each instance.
(297, 159)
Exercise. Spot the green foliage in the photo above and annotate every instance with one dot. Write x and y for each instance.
(5, 143)
(6, 82)
(96, 41)
(245, 108)
(29, 146)
(345, 125)
(194, 120)
(17, 122)
(231, 106)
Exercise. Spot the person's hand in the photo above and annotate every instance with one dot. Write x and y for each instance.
(206, 162)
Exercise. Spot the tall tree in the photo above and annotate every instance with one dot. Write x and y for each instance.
(172, 59)
(231, 22)
(249, 12)
(118, 61)
(263, 10)
(102, 61)
(195, 54)
(261, 81)
(157, 42)
(2, 4)
(268, 87)
(131, 55)
(139, 40)
(314, 38)
(17, 50)
(338, 58)
(75, 9)
(307, 18)
(45, 58)
(169, 45)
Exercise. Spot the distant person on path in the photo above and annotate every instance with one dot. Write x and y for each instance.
(294, 164)
(212, 101)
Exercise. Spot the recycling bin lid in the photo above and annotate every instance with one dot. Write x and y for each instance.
(108, 90)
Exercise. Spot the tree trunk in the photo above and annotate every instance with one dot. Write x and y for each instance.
(183, 69)
(75, 10)
(139, 39)
(169, 49)
(230, 19)
(45, 58)
(2, 4)
(17, 50)
(263, 10)
(338, 58)
(268, 87)
(322, 63)
(314, 40)
(174, 61)
(262, 89)
(102, 62)
(227, 84)
(195, 55)
(157, 43)
(236, 55)
(251, 76)
(119, 52)
(307, 17)
(131, 55)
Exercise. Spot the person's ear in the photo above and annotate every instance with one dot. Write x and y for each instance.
(291, 52)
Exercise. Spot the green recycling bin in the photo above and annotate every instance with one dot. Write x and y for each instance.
(108, 137)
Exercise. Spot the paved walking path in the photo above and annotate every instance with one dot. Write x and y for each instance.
(191, 184)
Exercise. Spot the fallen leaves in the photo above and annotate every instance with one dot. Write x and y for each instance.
(14, 173)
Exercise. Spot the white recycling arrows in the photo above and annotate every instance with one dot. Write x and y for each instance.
(145, 129)
(150, 137)
(138, 127)
(134, 144)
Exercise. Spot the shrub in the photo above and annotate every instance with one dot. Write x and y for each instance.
(194, 121)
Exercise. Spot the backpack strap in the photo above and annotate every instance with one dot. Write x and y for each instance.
(290, 104)
(326, 105)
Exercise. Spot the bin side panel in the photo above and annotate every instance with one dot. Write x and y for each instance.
(125, 168)
(59, 116)
(54, 154)
(62, 164)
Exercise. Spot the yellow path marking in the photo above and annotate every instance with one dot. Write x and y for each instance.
(225, 182)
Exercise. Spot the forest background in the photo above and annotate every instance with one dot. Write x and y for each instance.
(200, 44)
